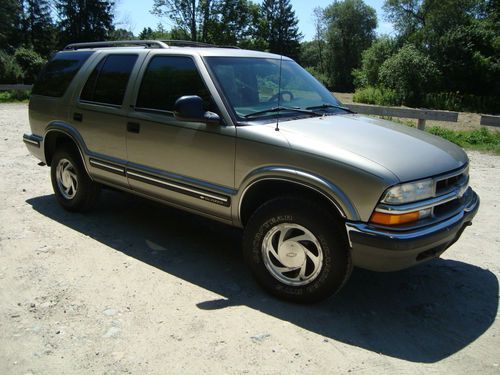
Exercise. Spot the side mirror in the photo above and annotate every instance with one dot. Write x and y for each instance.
(190, 108)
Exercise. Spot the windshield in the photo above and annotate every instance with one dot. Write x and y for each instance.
(252, 88)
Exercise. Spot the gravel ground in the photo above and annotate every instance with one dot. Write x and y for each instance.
(136, 287)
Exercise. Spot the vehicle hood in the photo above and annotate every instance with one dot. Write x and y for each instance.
(408, 153)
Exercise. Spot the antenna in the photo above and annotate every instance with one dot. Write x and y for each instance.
(279, 96)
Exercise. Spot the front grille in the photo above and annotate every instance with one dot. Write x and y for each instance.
(458, 183)
(453, 182)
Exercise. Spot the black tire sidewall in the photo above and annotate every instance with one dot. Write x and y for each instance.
(325, 227)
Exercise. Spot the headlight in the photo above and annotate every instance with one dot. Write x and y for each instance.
(409, 192)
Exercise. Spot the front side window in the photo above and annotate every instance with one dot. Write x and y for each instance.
(256, 87)
(57, 75)
(108, 82)
(166, 79)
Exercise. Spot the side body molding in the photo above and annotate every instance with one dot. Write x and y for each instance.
(319, 184)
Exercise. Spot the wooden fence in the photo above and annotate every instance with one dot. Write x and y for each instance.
(422, 115)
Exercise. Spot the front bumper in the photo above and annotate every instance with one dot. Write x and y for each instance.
(383, 250)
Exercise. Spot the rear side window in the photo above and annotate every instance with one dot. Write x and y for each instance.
(166, 79)
(59, 72)
(108, 81)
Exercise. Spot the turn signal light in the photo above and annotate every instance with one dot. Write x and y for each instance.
(391, 219)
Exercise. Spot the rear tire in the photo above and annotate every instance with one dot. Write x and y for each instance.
(297, 250)
(73, 188)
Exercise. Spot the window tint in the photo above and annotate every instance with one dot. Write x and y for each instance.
(59, 72)
(108, 81)
(166, 79)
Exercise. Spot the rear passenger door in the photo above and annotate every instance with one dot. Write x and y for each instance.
(186, 163)
(100, 114)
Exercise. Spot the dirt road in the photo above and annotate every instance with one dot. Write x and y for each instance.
(136, 287)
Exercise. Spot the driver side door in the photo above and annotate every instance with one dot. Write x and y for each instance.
(189, 164)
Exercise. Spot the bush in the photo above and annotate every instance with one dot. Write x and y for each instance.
(462, 102)
(371, 61)
(410, 73)
(482, 139)
(10, 71)
(14, 96)
(323, 78)
(30, 62)
(378, 96)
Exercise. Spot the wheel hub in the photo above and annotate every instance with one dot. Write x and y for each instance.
(67, 179)
(291, 254)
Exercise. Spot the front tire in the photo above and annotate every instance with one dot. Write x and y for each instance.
(73, 188)
(297, 250)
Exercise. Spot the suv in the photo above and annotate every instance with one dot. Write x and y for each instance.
(252, 140)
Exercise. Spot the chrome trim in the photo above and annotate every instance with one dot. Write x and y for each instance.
(411, 234)
(421, 205)
(453, 174)
(202, 194)
(32, 139)
(107, 166)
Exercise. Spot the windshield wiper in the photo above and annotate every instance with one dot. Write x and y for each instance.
(327, 105)
(278, 109)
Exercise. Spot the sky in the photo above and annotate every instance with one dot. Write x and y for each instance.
(135, 15)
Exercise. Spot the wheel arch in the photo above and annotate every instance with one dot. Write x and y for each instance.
(264, 186)
(58, 133)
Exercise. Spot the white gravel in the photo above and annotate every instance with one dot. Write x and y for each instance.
(137, 287)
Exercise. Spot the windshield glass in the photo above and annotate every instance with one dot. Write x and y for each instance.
(252, 88)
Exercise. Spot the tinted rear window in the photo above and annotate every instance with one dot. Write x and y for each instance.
(108, 81)
(166, 79)
(59, 72)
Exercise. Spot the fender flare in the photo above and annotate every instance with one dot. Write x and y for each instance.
(306, 179)
(71, 132)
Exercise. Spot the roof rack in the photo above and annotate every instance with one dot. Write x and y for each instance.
(117, 43)
(144, 43)
(190, 43)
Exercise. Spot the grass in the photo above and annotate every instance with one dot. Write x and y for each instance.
(14, 96)
(480, 139)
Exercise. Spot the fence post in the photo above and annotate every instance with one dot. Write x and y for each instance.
(421, 124)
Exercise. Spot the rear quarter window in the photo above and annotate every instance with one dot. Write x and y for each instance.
(59, 72)
(108, 82)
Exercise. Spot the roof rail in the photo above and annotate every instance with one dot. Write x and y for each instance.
(144, 43)
(117, 43)
(190, 43)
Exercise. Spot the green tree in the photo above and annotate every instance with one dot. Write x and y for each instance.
(30, 62)
(10, 12)
(233, 22)
(410, 73)
(84, 20)
(121, 34)
(350, 30)
(38, 29)
(10, 71)
(371, 61)
(279, 28)
(461, 36)
(146, 33)
(186, 14)
(161, 34)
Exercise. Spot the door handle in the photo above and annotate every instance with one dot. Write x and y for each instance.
(77, 117)
(133, 127)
